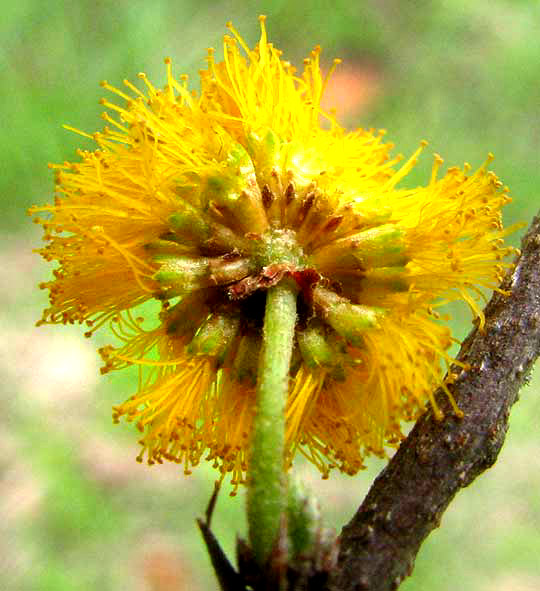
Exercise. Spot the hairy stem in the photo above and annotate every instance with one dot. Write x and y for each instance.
(266, 487)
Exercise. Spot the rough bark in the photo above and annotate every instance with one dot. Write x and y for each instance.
(407, 500)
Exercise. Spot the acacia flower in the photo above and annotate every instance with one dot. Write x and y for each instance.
(203, 201)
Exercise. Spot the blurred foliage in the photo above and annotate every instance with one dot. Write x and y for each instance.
(462, 75)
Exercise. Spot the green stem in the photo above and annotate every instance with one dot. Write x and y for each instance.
(266, 487)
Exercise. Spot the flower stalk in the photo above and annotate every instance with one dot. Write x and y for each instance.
(266, 485)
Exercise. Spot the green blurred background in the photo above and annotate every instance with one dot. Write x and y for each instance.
(77, 512)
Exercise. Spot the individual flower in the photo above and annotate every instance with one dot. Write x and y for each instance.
(202, 201)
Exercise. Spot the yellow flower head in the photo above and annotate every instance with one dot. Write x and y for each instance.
(203, 201)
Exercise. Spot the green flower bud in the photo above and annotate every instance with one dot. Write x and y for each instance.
(381, 246)
(387, 278)
(314, 346)
(189, 225)
(215, 336)
(348, 320)
(265, 151)
(236, 195)
(246, 360)
(183, 274)
(186, 315)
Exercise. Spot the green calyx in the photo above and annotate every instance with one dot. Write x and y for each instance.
(180, 275)
(215, 336)
(388, 279)
(321, 347)
(265, 150)
(314, 346)
(278, 246)
(186, 315)
(189, 225)
(235, 194)
(350, 321)
(380, 246)
(246, 359)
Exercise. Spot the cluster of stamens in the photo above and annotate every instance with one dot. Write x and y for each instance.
(205, 202)
(245, 242)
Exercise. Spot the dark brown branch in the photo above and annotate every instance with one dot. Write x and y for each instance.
(407, 500)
